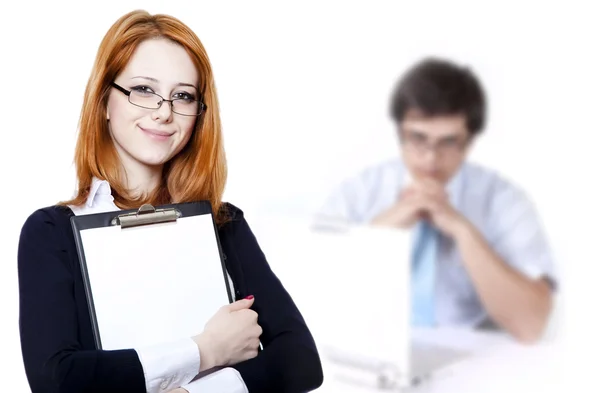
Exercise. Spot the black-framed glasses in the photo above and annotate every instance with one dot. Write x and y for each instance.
(445, 146)
(149, 100)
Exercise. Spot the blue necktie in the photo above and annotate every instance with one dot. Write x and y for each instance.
(423, 274)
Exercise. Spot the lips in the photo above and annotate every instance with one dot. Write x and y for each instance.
(158, 133)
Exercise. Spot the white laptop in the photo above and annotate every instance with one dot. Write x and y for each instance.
(352, 285)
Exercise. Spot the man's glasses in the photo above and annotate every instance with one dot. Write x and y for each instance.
(186, 106)
(421, 144)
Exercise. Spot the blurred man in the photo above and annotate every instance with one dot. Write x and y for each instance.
(480, 254)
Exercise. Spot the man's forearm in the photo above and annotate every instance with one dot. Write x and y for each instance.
(518, 304)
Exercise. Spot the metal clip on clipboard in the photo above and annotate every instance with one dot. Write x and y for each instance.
(146, 215)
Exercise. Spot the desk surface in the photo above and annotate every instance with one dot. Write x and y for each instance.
(497, 364)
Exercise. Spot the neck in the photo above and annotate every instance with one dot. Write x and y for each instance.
(140, 178)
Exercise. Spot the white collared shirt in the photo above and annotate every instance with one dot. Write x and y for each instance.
(499, 210)
(167, 366)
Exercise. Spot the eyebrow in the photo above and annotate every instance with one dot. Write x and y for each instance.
(156, 81)
(422, 134)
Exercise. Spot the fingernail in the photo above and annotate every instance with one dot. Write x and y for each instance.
(250, 297)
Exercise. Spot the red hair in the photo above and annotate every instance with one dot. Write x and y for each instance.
(199, 171)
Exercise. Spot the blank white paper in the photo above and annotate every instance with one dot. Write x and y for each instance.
(154, 284)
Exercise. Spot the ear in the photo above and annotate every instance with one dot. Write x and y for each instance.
(107, 114)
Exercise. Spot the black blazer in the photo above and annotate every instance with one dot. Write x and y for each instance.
(56, 333)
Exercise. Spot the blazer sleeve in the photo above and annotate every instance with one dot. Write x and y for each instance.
(53, 356)
(289, 361)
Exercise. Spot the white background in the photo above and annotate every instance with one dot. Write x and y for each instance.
(304, 89)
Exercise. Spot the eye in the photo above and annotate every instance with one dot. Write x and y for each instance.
(450, 142)
(142, 90)
(184, 96)
(417, 138)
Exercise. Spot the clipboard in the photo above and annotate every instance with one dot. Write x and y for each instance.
(152, 275)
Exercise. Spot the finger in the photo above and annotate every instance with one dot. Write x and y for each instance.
(408, 191)
(416, 195)
(421, 198)
(435, 211)
(429, 203)
(428, 206)
(249, 316)
(404, 196)
(433, 189)
(251, 344)
(241, 304)
(414, 204)
(417, 188)
(438, 194)
(430, 186)
(409, 194)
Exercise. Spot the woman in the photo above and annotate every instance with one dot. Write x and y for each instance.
(150, 133)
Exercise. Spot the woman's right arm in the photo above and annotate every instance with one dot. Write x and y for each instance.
(48, 321)
(54, 358)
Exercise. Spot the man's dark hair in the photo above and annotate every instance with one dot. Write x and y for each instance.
(437, 87)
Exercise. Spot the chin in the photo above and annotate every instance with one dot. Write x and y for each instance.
(429, 175)
(154, 160)
(153, 163)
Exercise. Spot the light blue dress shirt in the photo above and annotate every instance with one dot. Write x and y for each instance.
(501, 211)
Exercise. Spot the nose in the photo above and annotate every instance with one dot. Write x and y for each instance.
(430, 155)
(163, 113)
(430, 160)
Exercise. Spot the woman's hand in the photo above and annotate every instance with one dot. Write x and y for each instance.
(230, 336)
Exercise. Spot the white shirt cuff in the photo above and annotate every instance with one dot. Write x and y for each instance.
(170, 365)
(226, 380)
(534, 272)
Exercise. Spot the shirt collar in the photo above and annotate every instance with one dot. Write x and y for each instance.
(97, 189)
